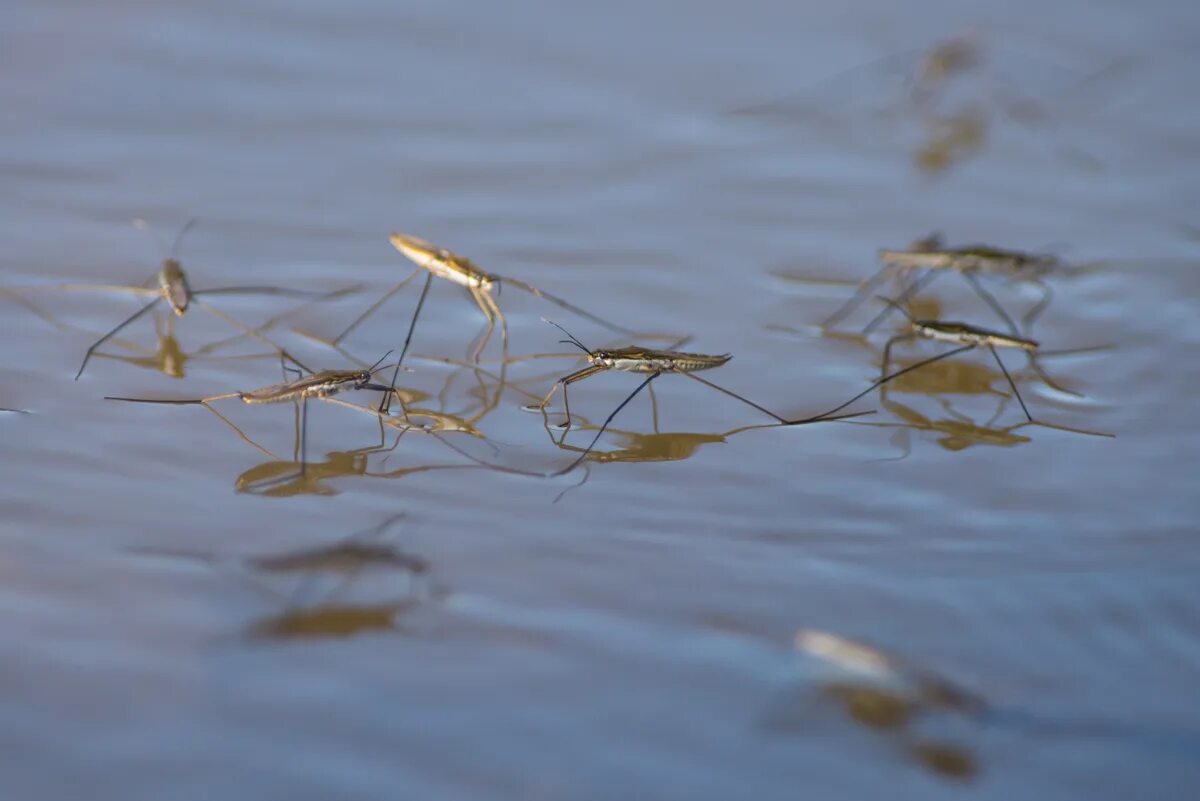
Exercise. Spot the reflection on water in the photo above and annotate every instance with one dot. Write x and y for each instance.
(941, 103)
(404, 580)
(331, 620)
(899, 701)
(672, 446)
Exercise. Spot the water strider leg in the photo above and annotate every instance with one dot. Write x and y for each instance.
(888, 377)
(578, 375)
(571, 307)
(862, 293)
(602, 428)
(303, 434)
(736, 396)
(653, 408)
(245, 329)
(374, 307)
(87, 356)
(991, 301)
(1047, 296)
(480, 342)
(1011, 383)
(922, 282)
(386, 401)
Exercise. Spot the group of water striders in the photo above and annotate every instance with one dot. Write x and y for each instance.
(910, 270)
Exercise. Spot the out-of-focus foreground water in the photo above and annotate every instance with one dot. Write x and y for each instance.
(721, 169)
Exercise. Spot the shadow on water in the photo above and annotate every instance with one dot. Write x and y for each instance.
(315, 606)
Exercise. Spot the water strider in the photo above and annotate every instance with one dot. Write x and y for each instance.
(171, 285)
(319, 385)
(442, 263)
(653, 362)
(967, 337)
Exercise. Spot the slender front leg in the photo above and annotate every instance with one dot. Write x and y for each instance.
(604, 427)
(113, 333)
(1047, 296)
(475, 350)
(913, 288)
(991, 301)
(374, 307)
(1011, 383)
(862, 293)
(386, 401)
(578, 375)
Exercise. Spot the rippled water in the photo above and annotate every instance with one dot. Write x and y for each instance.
(723, 170)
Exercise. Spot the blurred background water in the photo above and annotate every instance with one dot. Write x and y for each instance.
(721, 169)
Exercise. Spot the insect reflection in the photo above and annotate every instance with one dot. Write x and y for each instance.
(946, 98)
(895, 699)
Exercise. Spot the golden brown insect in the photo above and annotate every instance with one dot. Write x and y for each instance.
(653, 362)
(320, 385)
(442, 263)
(171, 285)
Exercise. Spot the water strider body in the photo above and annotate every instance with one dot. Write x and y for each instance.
(322, 384)
(648, 360)
(966, 334)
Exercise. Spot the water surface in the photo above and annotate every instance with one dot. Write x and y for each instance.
(716, 169)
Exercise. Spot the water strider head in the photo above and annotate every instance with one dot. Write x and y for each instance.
(173, 286)
(442, 262)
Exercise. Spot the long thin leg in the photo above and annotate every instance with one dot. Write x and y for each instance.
(1047, 296)
(653, 408)
(1036, 366)
(571, 307)
(885, 379)
(241, 434)
(736, 396)
(374, 307)
(245, 329)
(862, 293)
(578, 375)
(477, 346)
(303, 434)
(602, 428)
(113, 333)
(280, 291)
(1011, 383)
(386, 401)
(990, 300)
(498, 315)
(916, 286)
